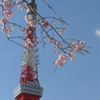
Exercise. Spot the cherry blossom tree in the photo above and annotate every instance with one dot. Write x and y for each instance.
(64, 48)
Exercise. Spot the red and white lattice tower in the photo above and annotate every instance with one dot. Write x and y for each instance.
(29, 88)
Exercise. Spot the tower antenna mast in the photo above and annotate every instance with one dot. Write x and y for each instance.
(29, 87)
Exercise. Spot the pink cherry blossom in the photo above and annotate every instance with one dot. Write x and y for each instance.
(74, 43)
(58, 45)
(7, 4)
(72, 47)
(59, 62)
(8, 13)
(27, 42)
(78, 47)
(72, 59)
(7, 30)
(51, 40)
(63, 56)
(3, 20)
(17, 2)
(82, 43)
(61, 59)
(22, 7)
(62, 30)
(45, 24)
(56, 50)
(30, 21)
(54, 40)
(7, 1)
(72, 55)
(28, 18)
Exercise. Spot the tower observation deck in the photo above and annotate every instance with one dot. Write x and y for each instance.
(29, 87)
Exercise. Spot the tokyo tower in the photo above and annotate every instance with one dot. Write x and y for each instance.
(29, 87)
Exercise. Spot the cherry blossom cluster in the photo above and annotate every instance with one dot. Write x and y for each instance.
(3, 20)
(63, 47)
(7, 12)
(7, 30)
(21, 7)
(28, 42)
(30, 21)
(63, 57)
(45, 24)
(62, 30)
(52, 40)
(77, 46)
(6, 8)
(73, 46)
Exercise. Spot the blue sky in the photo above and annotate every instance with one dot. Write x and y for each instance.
(79, 80)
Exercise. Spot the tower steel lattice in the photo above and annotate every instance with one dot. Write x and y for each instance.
(29, 87)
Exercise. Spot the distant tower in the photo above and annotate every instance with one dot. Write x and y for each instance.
(29, 88)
